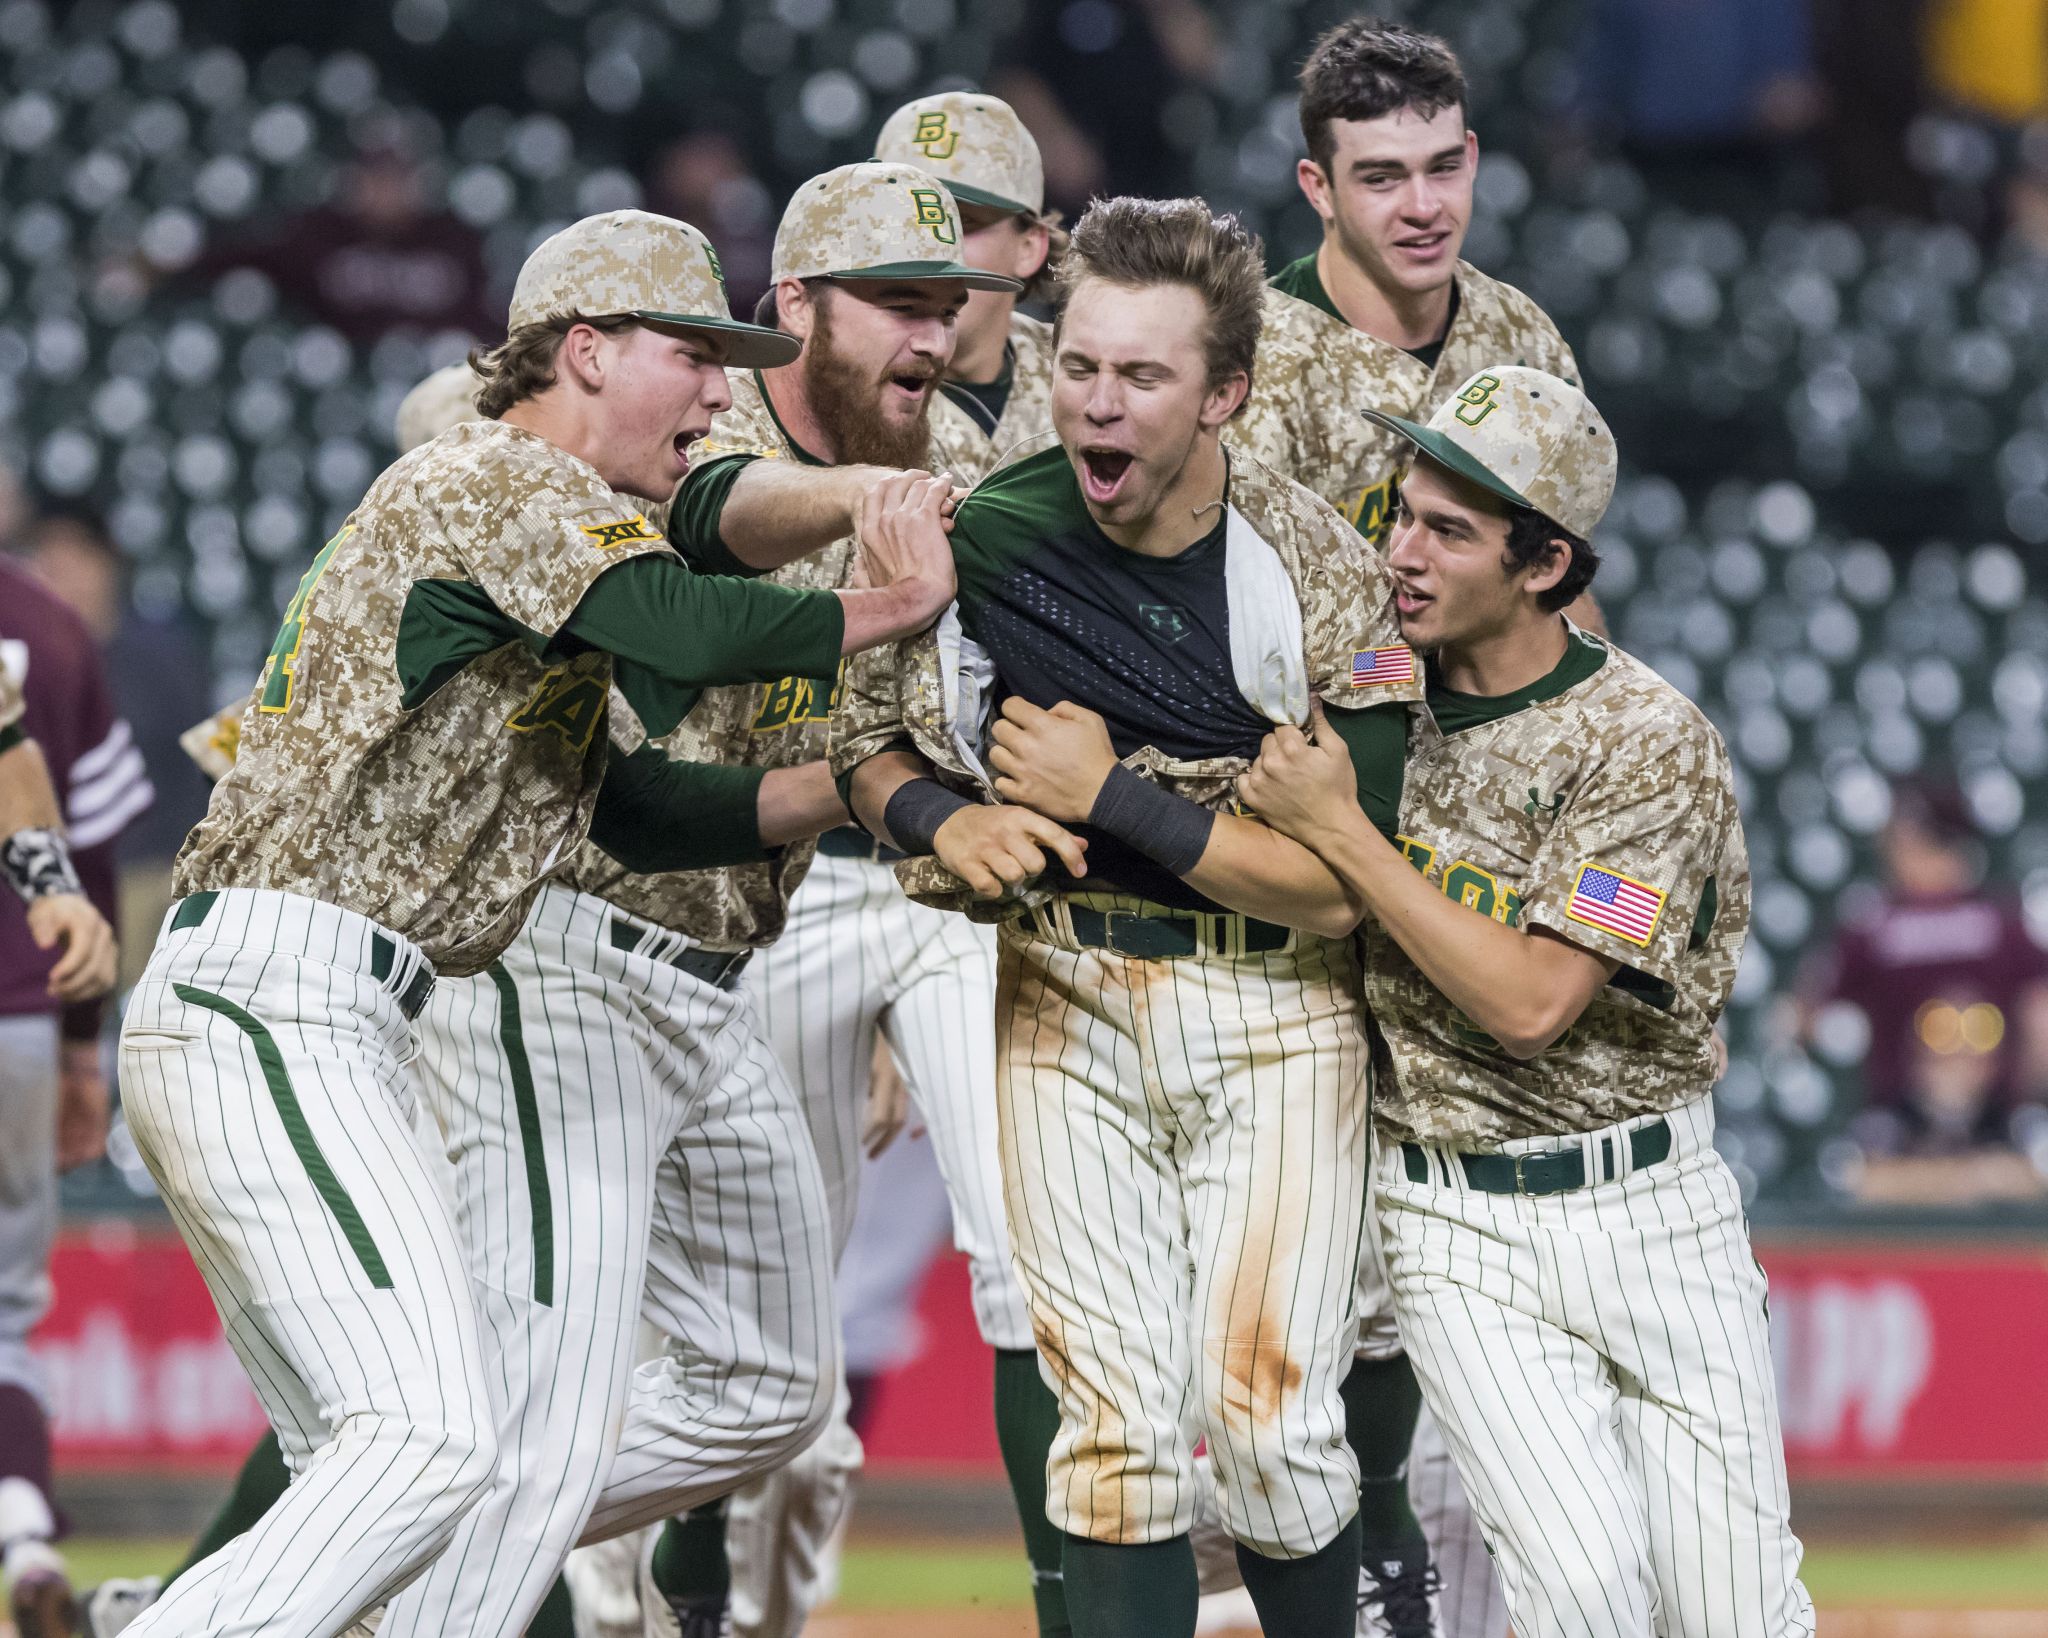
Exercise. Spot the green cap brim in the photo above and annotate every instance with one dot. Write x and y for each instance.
(1452, 457)
(973, 277)
(747, 346)
(968, 195)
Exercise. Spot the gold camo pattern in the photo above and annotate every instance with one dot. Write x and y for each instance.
(1623, 772)
(739, 906)
(1347, 604)
(1314, 373)
(438, 822)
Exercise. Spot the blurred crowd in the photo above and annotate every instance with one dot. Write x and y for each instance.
(1926, 986)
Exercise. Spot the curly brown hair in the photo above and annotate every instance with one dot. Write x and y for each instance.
(523, 364)
(1370, 67)
(1140, 242)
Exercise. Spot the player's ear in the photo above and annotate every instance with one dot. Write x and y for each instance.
(1314, 182)
(1223, 400)
(796, 307)
(1542, 576)
(581, 357)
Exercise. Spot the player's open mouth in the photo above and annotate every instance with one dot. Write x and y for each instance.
(1425, 244)
(1103, 472)
(912, 387)
(1409, 603)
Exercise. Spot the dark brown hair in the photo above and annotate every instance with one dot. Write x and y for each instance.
(1530, 542)
(1369, 67)
(523, 364)
(1140, 242)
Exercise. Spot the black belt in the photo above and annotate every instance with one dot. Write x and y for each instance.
(1546, 1171)
(1169, 934)
(411, 981)
(719, 968)
(851, 842)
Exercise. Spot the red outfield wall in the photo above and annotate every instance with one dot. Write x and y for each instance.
(1896, 1361)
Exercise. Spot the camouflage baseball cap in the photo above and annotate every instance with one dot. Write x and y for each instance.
(634, 264)
(876, 221)
(976, 145)
(445, 399)
(1526, 436)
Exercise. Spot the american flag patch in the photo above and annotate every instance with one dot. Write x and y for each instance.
(1372, 666)
(1615, 904)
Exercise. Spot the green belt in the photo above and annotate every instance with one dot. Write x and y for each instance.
(851, 842)
(1172, 934)
(1546, 1171)
(411, 990)
(718, 968)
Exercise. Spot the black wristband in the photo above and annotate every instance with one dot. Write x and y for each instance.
(913, 815)
(37, 864)
(1169, 830)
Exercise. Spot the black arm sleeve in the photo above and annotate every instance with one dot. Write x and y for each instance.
(654, 814)
(705, 630)
(1378, 741)
(699, 504)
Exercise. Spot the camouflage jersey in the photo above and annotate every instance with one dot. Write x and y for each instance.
(404, 755)
(1314, 373)
(765, 725)
(962, 444)
(1597, 803)
(1348, 644)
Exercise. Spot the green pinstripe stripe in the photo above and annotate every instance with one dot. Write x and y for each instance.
(539, 1201)
(326, 1184)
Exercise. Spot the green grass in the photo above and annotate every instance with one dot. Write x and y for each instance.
(902, 1575)
(1909, 1576)
(933, 1575)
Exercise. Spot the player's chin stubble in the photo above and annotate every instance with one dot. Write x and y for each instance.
(844, 399)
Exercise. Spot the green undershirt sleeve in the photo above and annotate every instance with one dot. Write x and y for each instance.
(655, 814)
(11, 736)
(1378, 741)
(703, 630)
(699, 504)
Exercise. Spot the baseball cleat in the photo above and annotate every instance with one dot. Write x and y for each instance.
(1397, 1599)
(686, 1618)
(111, 1606)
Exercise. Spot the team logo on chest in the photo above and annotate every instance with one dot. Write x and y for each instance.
(1536, 807)
(791, 700)
(567, 704)
(1164, 621)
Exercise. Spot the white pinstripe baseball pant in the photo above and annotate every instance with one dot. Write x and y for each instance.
(854, 949)
(1599, 1363)
(595, 1099)
(1183, 1147)
(264, 1073)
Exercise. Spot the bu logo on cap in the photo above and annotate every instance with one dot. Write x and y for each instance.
(1477, 402)
(932, 213)
(934, 135)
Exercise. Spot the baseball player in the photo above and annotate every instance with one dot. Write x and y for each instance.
(64, 753)
(867, 276)
(1550, 940)
(1385, 315)
(74, 965)
(1182, 1052)
(996, 390)
(426, 742)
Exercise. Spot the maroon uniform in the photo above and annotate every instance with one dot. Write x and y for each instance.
(94, 766)
(1902, 954)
